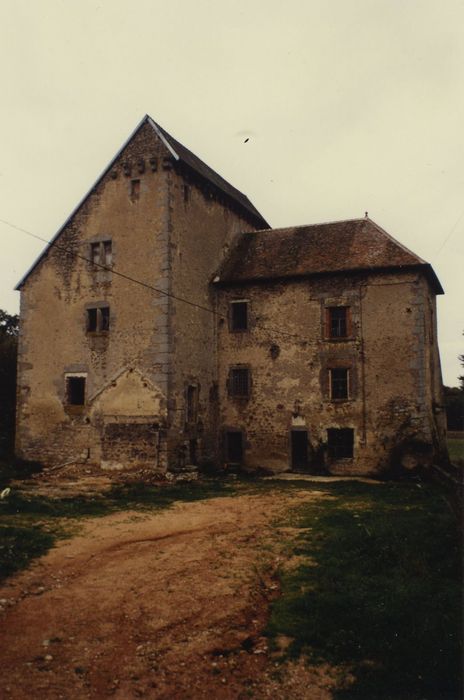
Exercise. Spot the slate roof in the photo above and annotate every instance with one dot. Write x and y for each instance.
(331, 248)
(183, 154)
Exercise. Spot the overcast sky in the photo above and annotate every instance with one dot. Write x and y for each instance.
(349, 106)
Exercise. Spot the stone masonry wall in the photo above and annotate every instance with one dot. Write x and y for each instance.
(203, 225)
(129, 206)
(391, 391)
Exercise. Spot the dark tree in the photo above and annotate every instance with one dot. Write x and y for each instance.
(9, 327)
(454, 404)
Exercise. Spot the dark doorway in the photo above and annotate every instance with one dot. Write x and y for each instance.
(234, 446)
(299, 441)
(193, 451)
(75, 390)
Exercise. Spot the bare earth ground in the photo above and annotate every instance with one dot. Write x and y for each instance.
(158, 605)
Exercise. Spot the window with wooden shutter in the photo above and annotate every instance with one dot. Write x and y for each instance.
(337, 322)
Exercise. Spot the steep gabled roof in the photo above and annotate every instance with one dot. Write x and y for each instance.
(181, 154)
(336, 247)
(185, 156)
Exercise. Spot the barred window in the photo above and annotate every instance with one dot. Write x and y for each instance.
(239, 382)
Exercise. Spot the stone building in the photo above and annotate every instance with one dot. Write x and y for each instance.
(167, 325)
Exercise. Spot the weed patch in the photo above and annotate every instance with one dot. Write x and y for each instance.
(382, 595)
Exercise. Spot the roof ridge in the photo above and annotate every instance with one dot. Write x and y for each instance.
(323, 223)
(188, 157)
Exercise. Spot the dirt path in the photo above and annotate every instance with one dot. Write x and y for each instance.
(168, 605)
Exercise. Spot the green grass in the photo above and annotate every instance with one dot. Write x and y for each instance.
(456, 449)
(381, 596)
(19, 545)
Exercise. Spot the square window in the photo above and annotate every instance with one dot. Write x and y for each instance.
(337, 322)
(98, 319)
(340, 442)
(339, 383)
(239, 315)
(239, 382)
(75, 390)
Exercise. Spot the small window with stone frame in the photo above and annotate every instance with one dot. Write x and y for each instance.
(339, 383)
(239, 315)
(101, 253)
(75, 389)
(98, 319)
(340, 442)
(337, 322)
(239, 383)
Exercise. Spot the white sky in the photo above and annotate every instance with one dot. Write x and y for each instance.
(349, 106)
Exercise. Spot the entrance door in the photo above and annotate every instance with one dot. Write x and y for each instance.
(299, 445)
(234, 446)
(193, 452)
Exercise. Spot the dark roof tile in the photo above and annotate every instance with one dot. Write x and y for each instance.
(193, 162)
(342, 246)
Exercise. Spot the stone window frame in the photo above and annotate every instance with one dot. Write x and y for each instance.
(230, 388)
(232, 328)
(331, 362)
(74, 407)
(100, 246)
(101, 327)
(333, 456)
(327, 322)
(346, 369)
(135, 189)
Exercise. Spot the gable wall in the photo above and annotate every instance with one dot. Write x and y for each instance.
(53, 338)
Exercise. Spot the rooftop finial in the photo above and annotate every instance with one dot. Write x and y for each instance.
(366, 215)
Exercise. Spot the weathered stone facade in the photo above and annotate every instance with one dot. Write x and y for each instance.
(126, 345)
(391, 362)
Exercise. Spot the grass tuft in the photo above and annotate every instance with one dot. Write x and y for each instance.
(384, 598)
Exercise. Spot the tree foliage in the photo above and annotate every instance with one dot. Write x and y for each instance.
(9, 329)
(454, 404)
